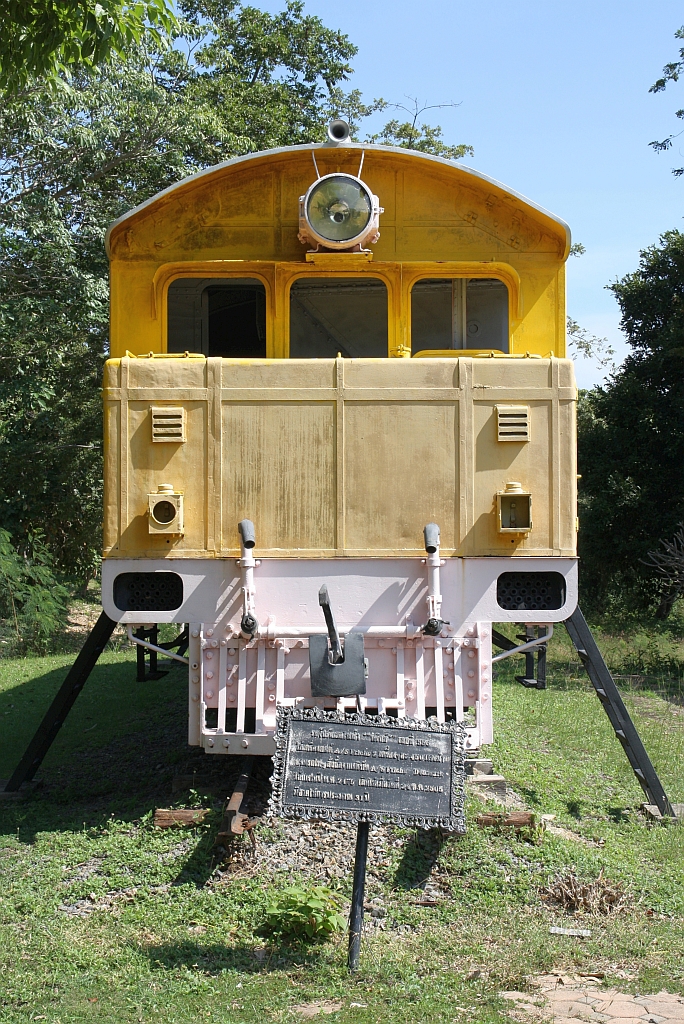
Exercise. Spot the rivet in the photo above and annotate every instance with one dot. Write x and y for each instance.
(195, 633)
(226, 743)
(195, 696)
(381, 643)
(195, 679)
(471, 674)
(470, 632)
(484, 634)
(471, 654)
(471, 693)
(245, 743)
(450, 694)
(231, 698)
(209, 694)
(209, 655)
(210, 743)
(214, 643)
(232, 650)
(209, 632)
(210, 675)
(223, 643)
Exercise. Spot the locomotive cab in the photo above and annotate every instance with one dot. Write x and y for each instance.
(320, 409)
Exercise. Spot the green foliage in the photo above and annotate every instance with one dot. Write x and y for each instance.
(74, 159)
(32, 603)
(306, 912)
(44, 38)
(631, 441)
(71, 161)
(589, 346)
(671, 73)
(421, 137)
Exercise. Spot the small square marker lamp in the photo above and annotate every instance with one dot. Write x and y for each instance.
(514, 509)
(165, 510)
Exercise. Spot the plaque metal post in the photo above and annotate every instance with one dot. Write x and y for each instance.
(356, 915)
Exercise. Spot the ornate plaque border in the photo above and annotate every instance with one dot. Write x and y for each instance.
(453, 823)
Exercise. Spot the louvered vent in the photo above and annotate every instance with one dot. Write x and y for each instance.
(168, 424)
(513, 422)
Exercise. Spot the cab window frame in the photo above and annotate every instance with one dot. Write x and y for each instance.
(326, 273)
(212, 274)
(436, 273)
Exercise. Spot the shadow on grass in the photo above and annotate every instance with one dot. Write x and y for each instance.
(215, 958)
(419, 857)
(116, 754)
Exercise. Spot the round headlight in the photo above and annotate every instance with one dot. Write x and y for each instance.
(339, 208)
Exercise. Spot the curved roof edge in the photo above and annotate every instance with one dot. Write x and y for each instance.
(350, 145)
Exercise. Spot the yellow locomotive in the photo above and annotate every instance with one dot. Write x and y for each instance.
(338, 366)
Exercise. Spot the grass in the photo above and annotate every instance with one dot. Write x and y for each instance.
(162, 940)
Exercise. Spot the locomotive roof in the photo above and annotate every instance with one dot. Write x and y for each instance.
(187, 184)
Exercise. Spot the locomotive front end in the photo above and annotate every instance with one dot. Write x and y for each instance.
(338, 466)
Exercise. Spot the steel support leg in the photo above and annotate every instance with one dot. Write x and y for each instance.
(614, 706)
(356, 915)
(62, 703)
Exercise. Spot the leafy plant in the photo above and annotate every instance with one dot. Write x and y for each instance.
(31, 600)
(310, 913)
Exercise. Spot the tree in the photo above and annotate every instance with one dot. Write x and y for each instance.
(46, 37)
(412, 135)
(74, 159)
(671, 73)
(668, 561)
(631, 440)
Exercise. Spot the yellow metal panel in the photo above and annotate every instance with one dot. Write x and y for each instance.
(265, 442)
(279, 471)
(182, 465)
(393, 488)
(496, 464)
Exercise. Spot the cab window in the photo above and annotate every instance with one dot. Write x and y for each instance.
(218, 317)
(453, 313)
(338, 314)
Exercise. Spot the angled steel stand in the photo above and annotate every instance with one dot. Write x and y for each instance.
(614, 707)
(151, 634)
(531, 680)
(356, 915)
(62, 703)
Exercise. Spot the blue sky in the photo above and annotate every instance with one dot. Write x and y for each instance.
(554, 98)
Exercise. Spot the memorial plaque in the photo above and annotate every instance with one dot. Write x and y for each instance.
(331, 766)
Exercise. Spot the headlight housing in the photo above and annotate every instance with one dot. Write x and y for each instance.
(340, 213)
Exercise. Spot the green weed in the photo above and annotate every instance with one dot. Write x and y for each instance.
(311, 912)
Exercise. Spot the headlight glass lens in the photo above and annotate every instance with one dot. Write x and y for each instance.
(338, 208)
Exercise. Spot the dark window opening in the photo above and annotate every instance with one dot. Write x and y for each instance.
(218, 317)
(331, 315)
(458, 313)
